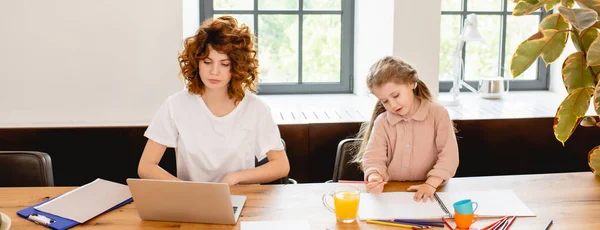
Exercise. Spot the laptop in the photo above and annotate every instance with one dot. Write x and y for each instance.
(185, 201)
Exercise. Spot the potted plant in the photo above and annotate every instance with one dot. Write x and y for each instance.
(580, 70)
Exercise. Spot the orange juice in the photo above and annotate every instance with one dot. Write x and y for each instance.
(346, 205)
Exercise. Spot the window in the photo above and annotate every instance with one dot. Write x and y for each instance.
(502, 33)
(304, 46)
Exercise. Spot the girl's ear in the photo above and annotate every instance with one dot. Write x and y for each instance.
(415, 87)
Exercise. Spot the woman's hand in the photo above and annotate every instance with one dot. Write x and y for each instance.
(375, 183)
(231, 179)
(422, 192)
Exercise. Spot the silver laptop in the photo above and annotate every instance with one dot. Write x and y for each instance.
(184, 201)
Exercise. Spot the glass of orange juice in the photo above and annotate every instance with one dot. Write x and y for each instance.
(345, 202)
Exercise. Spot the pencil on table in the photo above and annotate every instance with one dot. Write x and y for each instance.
(495, 222)
(448, 224)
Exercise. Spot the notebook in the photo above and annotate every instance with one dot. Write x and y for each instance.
(400, 205)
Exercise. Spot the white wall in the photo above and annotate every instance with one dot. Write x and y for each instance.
(373, 38)
(417, 37)
(86, 62)
(556, 81)
(407, 29)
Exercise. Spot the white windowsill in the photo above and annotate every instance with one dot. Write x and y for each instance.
(336, 108)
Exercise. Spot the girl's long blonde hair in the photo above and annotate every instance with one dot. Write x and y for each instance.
(388, 69)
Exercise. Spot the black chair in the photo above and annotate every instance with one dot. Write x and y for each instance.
(25, 169)
(283, 180)
(344, 169)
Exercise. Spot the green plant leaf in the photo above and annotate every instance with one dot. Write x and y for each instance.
(587, 37)
(567, 3)
(554, 21)
(597, 98)
(588, 121)
(580, 18)
(593, 54)
(551, 4)
(526, 7)
(575, 73)
(594, 160)
(590, 4)
(570, 112)
(576, 40)
(547, 43)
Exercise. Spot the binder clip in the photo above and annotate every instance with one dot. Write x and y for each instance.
(39, 219)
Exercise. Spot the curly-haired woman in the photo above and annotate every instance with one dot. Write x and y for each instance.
(218, 125)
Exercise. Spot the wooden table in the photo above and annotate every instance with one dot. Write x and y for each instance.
(572, 200)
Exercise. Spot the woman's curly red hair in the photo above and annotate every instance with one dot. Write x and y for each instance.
(225, 36)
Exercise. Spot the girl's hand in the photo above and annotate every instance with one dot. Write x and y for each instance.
(423, 191)
(375, 184)
(230, 179)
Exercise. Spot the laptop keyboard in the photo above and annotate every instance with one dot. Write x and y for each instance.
(234, 209)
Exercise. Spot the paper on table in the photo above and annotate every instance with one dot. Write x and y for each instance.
(279, 224)
(492, 203)
(87, 201)
(396, 205)
(400, 205)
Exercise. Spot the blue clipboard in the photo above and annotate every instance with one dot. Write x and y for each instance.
(55, 222)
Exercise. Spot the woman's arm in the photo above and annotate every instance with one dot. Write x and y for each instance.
(148, 167)
(277, 167)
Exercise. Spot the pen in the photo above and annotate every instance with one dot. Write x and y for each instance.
(550, 223)
(447, 224)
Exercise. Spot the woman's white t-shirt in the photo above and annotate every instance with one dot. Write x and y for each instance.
(209, 147)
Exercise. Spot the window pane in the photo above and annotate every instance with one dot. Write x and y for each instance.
(517, 30)
(278, 5)
(451, 5)
(482, 58)
(233, 4)
(247, 19)
(485, 5)
(278, 48)
(322, 4)
(449, 33)
(321, 48)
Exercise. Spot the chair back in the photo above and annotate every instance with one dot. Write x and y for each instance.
(344, 169)
(25, 169)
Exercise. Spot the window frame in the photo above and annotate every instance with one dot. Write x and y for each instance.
(347, 47)
(543, 71)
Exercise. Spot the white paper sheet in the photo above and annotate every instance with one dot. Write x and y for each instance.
(396, 205)
(492, 203)
(87, 201)
(275, 225)
(400, 205)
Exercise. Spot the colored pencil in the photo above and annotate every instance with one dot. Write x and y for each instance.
(421, 220)
(498, 225)
(492, 224)
(512, 219)
(436, 223)
(392, 224)
(422, 226)
(550, 223)
(448, 224)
